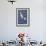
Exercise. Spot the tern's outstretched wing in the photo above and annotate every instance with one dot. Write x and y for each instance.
(21, 15)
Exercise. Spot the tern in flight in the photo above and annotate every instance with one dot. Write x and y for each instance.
(22, 17)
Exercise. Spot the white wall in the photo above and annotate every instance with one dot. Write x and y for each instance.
(37, 29)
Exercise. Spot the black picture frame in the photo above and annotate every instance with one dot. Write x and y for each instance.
(22, 17)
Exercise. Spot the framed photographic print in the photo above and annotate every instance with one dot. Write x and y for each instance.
(22, 17)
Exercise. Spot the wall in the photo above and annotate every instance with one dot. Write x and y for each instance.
(37, 29)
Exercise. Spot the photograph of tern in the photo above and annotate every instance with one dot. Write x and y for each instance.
(22, 17)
